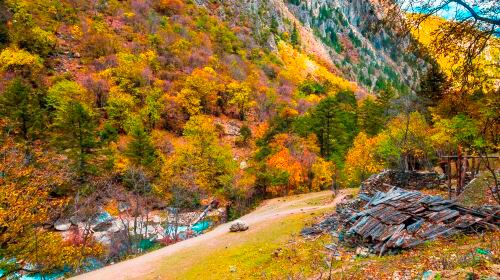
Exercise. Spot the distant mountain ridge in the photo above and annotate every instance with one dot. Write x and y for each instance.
(344, 34)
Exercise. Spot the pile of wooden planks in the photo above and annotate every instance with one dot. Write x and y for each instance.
(403, 218)
(400, 219)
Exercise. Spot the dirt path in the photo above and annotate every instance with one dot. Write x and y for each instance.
(269, 210)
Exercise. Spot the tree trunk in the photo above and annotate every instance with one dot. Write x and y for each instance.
(202, 215)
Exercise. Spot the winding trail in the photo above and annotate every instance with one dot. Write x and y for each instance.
(277, 208)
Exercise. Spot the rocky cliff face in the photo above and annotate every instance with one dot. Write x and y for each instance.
(344, 34)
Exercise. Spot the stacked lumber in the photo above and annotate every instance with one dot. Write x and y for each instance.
(404, 218)
(400, 219)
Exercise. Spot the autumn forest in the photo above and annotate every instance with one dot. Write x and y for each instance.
(137, 109)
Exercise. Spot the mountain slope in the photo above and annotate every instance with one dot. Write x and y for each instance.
(345, 35)
(172, 104)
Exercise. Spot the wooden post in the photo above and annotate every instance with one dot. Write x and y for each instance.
(459, 172)
(466, 168)
(473, 169)
(448, 175)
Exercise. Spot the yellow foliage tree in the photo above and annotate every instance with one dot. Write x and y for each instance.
(120, 106)
(296, 167)
(323, 172)
(201, 165)
(406, 143)
(18, 60)
(200, 91)
(283, 160)
(298, 66)
(241, 97)
(134, 72)
(361, 160)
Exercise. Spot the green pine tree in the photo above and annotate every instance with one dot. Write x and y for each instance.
(295, 37)
(19, 104)
(334, 121)
(140, 149)
(74, 123)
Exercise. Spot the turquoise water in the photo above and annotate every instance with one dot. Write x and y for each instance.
(198, 228)
(201, 226)
(36, 276)
(104, 217)
(40, 276)
(93, 264)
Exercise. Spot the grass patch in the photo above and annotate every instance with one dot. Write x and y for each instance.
(271, 250)
(453, 258)
(274, 250)
(478, 192)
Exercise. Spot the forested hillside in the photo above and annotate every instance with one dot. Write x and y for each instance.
(124, 108)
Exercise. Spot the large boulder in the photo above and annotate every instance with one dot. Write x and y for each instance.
(62, 225)
(116, 226)
(238, 226)
(75, 220)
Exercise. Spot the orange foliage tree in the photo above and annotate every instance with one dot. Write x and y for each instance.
(296, 167)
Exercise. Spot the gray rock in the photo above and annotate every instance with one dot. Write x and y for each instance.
(238, 226)
(102, 237)
(116, 227)
(123, 206)
(362, 252)
(75, 220)
(309, 231)
(62, 225)
(331, 247)
(231, 128)
(243, 165)
(104, 226)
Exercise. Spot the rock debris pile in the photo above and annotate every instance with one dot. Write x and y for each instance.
(411, 180)
(400, 219)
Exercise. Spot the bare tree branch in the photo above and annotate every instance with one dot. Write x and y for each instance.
(493, 21)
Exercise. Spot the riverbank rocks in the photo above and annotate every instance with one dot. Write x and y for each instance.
(238, 226)
(104, 226)
(62, 225)
(183, 218)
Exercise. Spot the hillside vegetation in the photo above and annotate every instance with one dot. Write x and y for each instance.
(177, 104)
